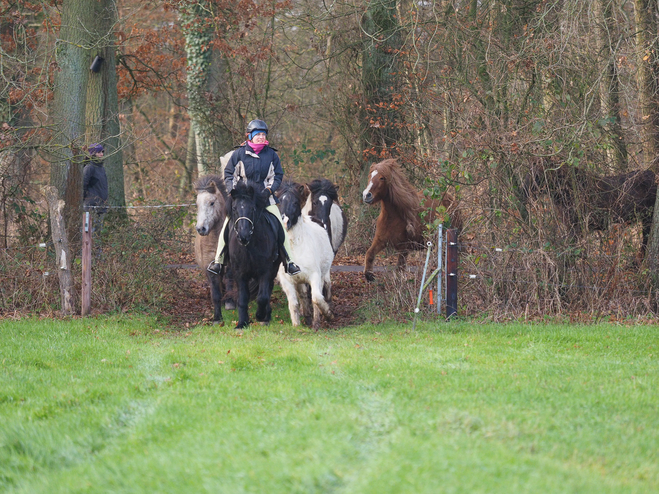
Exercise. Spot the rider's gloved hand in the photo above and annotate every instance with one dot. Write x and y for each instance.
(267, 192)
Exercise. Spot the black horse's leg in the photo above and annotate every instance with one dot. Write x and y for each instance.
(243, 303)
(268, 308)
(229, 302)
(264, 310)
(216, 295)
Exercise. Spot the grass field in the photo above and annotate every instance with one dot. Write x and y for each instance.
(124, 405)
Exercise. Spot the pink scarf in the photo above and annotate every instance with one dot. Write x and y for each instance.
(257, 147)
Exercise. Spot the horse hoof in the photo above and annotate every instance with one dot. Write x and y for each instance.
(229, 305)
(264, 323)
(220, 322)
(369, 276)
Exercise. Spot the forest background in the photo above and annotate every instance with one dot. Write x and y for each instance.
(471, 96)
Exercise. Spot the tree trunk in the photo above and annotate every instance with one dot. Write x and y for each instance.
(415, 74)
(190, 162)
(70, 89)
(198, 49)
(102, 115)
(645, 11)
(616, 149)
(62, 249)
(174, 117)
(128, 148)
(646, 33)
(380, 79)
(218, 83)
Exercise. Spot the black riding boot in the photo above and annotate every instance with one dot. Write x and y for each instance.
(215, 267)
(291, 268)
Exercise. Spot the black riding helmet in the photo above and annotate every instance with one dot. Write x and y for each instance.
(257, 125)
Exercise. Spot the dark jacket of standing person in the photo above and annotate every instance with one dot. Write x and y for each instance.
(94, 180)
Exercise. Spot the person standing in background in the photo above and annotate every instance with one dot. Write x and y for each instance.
(95, 186)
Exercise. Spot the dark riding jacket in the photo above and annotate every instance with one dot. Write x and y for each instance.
(264, 167)
(95, 185)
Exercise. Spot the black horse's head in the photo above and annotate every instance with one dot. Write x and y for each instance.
(323, 194)
(292, 198)
(245, 205)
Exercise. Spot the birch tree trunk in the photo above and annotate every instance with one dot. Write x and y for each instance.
(190, 161)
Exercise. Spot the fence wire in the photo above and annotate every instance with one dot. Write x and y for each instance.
(501, 276)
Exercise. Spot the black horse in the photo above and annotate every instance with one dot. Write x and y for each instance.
(587, 201)
(254, 247)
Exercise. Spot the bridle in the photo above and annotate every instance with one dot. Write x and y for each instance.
(256, 213)
(243, 218)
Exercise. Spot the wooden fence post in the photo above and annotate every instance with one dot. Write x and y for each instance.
(62, 251)
(451, 273)
(86, 263)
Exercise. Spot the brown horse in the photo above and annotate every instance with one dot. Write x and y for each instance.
(403, 214)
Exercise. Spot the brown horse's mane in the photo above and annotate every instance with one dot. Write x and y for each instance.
(402, 194)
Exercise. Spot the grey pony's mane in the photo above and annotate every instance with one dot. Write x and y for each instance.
(204, 184)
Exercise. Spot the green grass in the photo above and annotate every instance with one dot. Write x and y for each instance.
(121, 405)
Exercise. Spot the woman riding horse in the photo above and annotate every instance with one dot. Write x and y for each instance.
(255, 161)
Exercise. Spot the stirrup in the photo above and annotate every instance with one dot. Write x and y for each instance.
(214, 267)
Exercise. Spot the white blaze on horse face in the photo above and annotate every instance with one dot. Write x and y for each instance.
(370, 184)
(323, 199)
(208, 209)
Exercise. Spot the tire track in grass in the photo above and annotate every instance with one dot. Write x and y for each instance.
(49, 452)
(136, 411)
(377, 428)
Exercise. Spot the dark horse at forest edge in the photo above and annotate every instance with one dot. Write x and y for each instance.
(400, 223)
(586, 201)
(254, 252)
